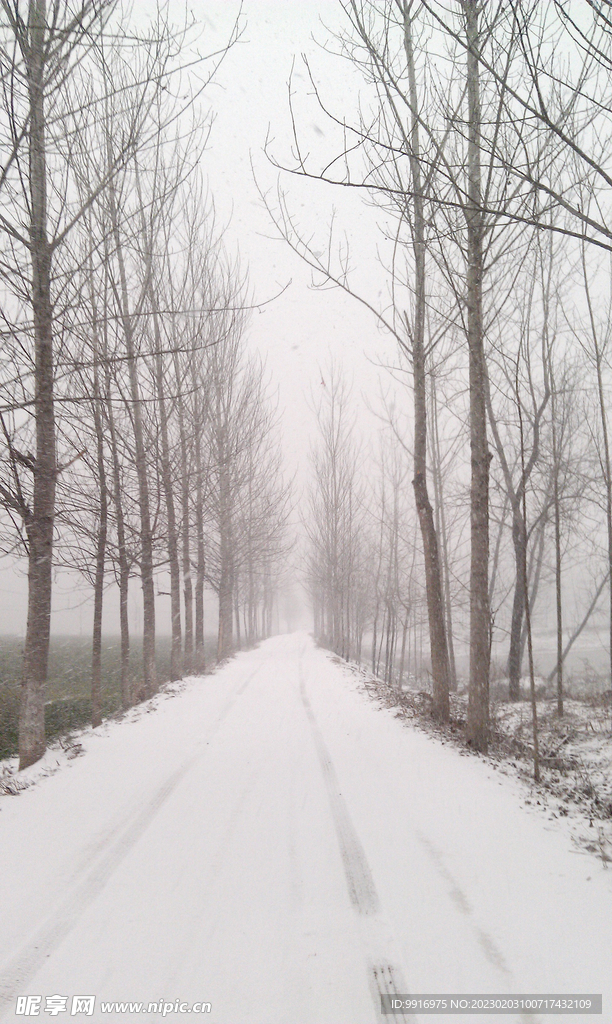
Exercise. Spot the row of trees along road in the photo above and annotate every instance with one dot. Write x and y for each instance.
(483, 137)
(137, 435)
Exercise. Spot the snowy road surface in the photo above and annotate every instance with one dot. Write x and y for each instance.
(273, 843)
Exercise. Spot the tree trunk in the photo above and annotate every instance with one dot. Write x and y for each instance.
(186, 548)
(515, 651)
(199, 655)
(558, 560)
(532, 693)
(122, 554)
(237, 616)
(226, 617)
(226, 564)
(443, 535)
(400, 675)
(534, 571)
(40, 520)
(176, 651)
(433, 577)
(146, 534)
(480, 618)
(96, 646)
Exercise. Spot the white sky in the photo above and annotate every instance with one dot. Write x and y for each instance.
(299, 330)
(296, 333)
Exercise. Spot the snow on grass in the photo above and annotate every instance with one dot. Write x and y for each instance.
(575, 753)
(65, 748)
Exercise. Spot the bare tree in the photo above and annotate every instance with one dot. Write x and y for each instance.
(535, 333)
(42, 55)
(335, 516)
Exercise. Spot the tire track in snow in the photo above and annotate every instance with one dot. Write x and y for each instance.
(101, 842)
(110, 852)
(487, 944)
(384, 977)
(360, 884)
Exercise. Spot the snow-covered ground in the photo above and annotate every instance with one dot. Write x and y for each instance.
(575, 751)
(269, 841)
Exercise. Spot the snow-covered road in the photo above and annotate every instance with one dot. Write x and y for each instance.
(271, 842)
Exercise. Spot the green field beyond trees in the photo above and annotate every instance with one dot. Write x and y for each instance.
(68, 704)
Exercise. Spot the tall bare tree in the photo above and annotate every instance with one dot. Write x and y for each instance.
(43, 50)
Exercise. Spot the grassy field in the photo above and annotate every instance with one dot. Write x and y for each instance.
(69, 683)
